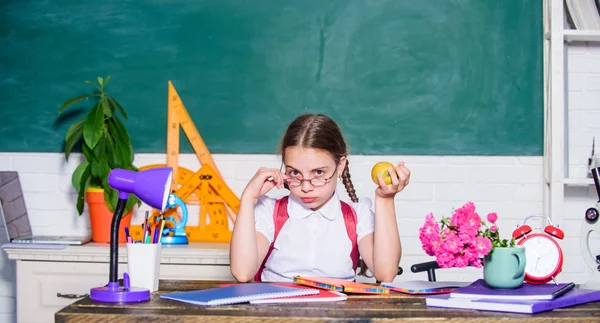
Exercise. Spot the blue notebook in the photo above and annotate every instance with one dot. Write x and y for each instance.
(480, 290)
(570, 298)
(238, 293)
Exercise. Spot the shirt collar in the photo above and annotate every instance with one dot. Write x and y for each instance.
(331, 210)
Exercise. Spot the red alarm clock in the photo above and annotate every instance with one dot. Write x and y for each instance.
(544, 256)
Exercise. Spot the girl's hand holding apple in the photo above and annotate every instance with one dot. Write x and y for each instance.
(391, 179)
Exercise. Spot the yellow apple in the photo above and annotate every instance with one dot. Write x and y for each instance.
(382, 167)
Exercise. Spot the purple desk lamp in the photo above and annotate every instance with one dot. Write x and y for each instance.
(152, 186)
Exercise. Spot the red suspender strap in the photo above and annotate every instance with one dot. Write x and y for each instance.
(280, 216)
(350, 219)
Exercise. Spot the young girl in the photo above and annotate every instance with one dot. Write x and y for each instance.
(311, 232)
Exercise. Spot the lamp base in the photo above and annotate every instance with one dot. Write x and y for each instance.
(113, 293)
(174, 239)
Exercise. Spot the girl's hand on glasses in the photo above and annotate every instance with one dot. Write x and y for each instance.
(400, 178)
(263, 181)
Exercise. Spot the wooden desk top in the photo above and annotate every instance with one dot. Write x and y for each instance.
(393, 308)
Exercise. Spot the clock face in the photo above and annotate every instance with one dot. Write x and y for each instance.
(543, 256)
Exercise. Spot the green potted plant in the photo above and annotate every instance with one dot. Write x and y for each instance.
(106, 145)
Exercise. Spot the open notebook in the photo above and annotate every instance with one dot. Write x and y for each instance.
(420, 287)
(322, 296)
(238, 293)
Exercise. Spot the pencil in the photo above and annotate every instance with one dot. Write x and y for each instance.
(143, 234)
(145, 227)
(155, 233)
(162, 226)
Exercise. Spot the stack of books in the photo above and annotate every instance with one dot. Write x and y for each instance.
(527, 299)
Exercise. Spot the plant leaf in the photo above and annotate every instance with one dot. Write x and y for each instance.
(100, 170)
(94, 84)
(87, 152)
(131, 154)
(78, 173)
(111, 197)
(122, 131)
(80, 202)
(108, 110)
(74, 100)
(133, 168)
(96, 168)
(94, 124)
(123, 142)
(122, 154)
(79, 180)
(99, 163)
(131, 202)
(121, 148)
(73, 136)
(106, 79)
(116, 104)
(100, 81)
(111, 153)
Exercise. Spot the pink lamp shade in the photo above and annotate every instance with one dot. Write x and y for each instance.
(151, 186)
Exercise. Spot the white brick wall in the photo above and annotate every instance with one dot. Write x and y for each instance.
(583, 99)
(510, 186)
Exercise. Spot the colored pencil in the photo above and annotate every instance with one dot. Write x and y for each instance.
(162, 226)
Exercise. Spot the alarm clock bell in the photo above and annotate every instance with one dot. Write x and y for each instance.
(591, 224)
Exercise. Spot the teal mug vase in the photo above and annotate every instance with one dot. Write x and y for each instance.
(504, 268)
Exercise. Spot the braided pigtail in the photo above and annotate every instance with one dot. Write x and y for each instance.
(352, 194)
(363, 269)
(348, 183)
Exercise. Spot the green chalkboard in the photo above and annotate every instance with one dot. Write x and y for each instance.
(428, 77)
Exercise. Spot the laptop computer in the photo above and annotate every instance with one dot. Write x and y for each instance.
(14, 215)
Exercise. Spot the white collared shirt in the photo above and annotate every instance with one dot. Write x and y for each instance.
(311, 243)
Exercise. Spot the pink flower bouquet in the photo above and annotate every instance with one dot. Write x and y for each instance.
(463, 239)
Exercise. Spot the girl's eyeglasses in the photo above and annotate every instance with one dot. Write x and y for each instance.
(316, 182)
